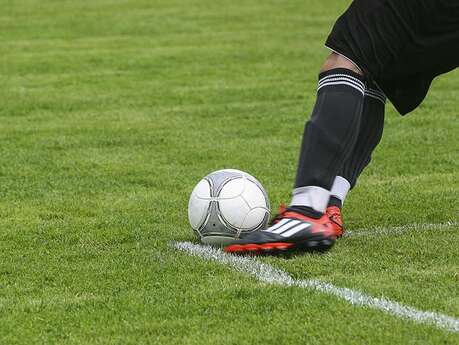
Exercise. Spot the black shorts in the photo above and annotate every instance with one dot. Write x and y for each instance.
(402, 45)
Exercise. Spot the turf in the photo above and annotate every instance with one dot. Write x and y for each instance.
(111, 111)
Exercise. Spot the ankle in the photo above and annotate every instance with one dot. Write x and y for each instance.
(335, 201)
(305, 211)
(311, 197)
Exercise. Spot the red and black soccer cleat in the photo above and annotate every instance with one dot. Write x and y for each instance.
(290, 231)
(336, 220)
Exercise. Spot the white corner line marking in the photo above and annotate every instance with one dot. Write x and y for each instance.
(416, 227)
(268, 274)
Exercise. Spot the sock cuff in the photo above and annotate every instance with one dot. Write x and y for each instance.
(340, 188)
(376, 94)
(311, 196)
(343, 77)
(373, 90)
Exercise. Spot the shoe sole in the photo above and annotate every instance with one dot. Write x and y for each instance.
(320, 245)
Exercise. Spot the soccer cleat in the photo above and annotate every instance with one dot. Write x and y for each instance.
(336, 220)
(290, 231)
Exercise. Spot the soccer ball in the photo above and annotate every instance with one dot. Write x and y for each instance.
(225, 204)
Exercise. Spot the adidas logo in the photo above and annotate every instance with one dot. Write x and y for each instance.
(288, 227)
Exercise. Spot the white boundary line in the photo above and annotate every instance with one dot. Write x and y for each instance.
(268, 274)
(416, 227)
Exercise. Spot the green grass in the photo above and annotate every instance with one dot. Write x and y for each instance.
(111, 111)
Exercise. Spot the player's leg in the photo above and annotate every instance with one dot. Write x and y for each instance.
(329, 138)
(405, 79)
(330, 134)
(375, 34)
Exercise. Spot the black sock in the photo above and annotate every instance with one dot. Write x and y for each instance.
(330, 135)
(334, 201)
(371, 129)
(306, 211)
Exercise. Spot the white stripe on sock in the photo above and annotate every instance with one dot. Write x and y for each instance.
(376, 94)
(342, 83)
(382, 100)
(354, 79)
(322, 82)
(340, 79)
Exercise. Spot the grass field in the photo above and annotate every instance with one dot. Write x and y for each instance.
(111, 111)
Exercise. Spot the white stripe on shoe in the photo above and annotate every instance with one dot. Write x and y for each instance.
(285, 227)
(295, 229)
(278, 225)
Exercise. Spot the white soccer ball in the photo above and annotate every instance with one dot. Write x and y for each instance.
(225, 204)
